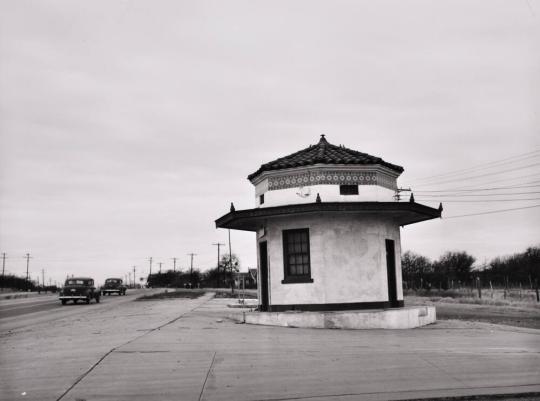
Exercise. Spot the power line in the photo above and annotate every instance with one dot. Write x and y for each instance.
(479, 189)
(491, 212)
(473, 177)
(478, 200)
(484, 166)
(489, 181)
(497, 181)
(461, 195)
(502, 180)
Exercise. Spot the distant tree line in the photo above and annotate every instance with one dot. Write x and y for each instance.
(456, 270)
(16, 283)
(221, 276)
(21, 284)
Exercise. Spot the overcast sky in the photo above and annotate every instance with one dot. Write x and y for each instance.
(128, 127)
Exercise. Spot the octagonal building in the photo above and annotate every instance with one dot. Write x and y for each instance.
(327, 227)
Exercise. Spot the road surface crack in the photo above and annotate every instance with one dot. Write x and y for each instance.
(207, 374)
(80, 378)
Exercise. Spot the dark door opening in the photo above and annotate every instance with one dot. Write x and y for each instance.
(391, 273)
(263, 280)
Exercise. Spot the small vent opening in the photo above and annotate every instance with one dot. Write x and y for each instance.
(348, 189)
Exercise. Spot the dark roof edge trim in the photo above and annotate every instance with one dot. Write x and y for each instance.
(276, 211)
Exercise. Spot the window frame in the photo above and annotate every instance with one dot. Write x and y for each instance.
(295, 278)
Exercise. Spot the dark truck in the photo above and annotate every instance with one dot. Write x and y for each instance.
(79, 289)
(113, 286)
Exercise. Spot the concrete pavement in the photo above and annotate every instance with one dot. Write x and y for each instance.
(188, 350)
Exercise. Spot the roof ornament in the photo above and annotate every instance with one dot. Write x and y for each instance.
(323, 139)
(411, 199)
(232, 207)
(440, 208)
(318, 199)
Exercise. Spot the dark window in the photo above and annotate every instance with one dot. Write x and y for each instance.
(296, 256)
(261, 199)
(348, 189)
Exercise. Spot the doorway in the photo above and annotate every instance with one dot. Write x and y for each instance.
(263, 280)
(391, 273)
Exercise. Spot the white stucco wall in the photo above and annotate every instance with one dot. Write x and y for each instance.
(348, 259)
(328, 193)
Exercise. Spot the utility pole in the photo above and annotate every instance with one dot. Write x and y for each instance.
(191, 270)
(174, 265)
(27, 269)
(149, 274)
(218, 244)
(3, 267)
(134, 276)
(43, 278)
(160, 263)
(230, 263)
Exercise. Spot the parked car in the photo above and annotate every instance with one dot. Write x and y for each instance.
(79, 289)
(113, 286)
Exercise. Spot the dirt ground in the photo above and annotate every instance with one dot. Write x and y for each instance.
(520, 315)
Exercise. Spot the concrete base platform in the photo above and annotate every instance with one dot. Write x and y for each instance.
(398, 318)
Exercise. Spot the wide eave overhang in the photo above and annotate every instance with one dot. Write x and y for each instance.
(403, 213)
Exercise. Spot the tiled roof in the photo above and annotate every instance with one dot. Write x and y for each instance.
(323, 153)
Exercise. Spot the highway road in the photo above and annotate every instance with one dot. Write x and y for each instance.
(22, 306)
(23, 312)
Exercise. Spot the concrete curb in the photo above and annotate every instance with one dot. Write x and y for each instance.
(398, 318)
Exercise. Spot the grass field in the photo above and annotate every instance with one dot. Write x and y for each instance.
(518, 309)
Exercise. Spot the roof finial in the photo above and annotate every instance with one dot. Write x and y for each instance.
(232, 207)
(323, 139)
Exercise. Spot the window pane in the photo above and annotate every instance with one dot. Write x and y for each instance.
(305, 269)
(291, 247)
(293, 270)
(296, 252)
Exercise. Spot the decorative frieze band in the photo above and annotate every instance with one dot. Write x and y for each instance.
(331, 177)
